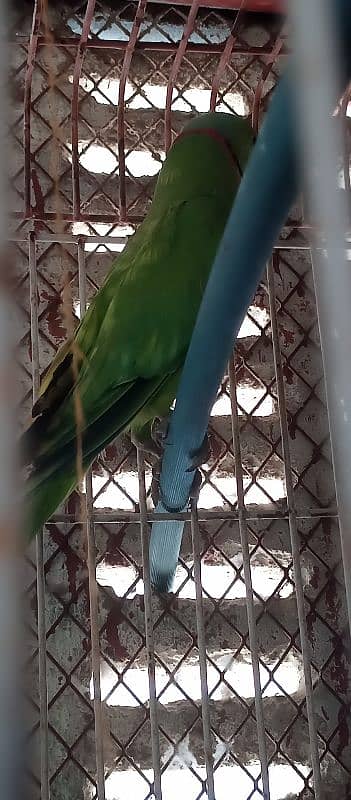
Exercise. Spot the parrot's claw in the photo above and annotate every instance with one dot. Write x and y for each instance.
(201, 456)
(154, 444)
(155, 483)
(159, 430)
(147, 445)
(196, 486)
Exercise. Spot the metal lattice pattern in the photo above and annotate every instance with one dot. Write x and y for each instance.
(106, 149)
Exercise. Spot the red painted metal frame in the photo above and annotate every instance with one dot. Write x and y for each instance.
(258, 6)
(232, 46)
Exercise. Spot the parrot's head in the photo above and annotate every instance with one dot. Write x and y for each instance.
(194, 164)
(235, 132)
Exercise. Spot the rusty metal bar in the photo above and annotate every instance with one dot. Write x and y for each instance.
(93, 589)
(112, 517)
(223, 61)
(71, 238)
(166, 47)
(322, 63)
(244, 539)
(188, 30)
(201, 646)
(259, 88)
(43, 689)
(12, 630)
(32, 50)
(149, 629)
(294, 536)
(109, 219)
(294, 242)
(74, 104)
(129, 50)
(260, 6)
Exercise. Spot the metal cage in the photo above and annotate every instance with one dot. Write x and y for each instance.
(97, 93)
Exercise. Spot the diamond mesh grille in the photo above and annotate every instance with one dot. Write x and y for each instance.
(232, 61)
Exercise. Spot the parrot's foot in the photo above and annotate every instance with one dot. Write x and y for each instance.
(159, 431)
(153, 444)
(200, 457)
(155, 484)
(147, 445)
(196, 486)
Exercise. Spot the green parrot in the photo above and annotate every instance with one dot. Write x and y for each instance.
(131, 344)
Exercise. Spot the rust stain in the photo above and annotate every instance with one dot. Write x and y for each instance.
(310, 621)
(288, 336)
(292, 425)
(73, 562)
(55, 320)
(113, 555)
(343, 732)
(110, 454)
(38, 194)
(333, 601)
(259, 299)
(315, 577)
(276, 267)
(339, 669)
(114, 646)
(288, 374)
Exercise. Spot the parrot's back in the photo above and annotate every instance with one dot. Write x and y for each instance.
(132, 342)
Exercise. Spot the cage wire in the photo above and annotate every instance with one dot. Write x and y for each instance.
(217, 685)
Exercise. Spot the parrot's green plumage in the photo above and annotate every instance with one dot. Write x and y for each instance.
(132, 341)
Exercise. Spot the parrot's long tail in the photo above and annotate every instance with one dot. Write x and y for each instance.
(44, 493)
(54, 474)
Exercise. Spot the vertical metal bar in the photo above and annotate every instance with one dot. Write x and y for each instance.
(318, 70)
(149, 629)
(270, 61)
(139, 16)
(201, 646)
(32, 49)
(188, 30)
(93, 590)
(74, 104)
(11, 633)
(261, 735)
(294, 537)
(223, 61)
(43, 689)
(11, 724)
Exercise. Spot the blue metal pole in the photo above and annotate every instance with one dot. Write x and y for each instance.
(265, 196)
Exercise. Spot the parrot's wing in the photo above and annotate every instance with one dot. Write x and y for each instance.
(135, 333)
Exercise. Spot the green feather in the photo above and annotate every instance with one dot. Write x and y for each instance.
(134, 337)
